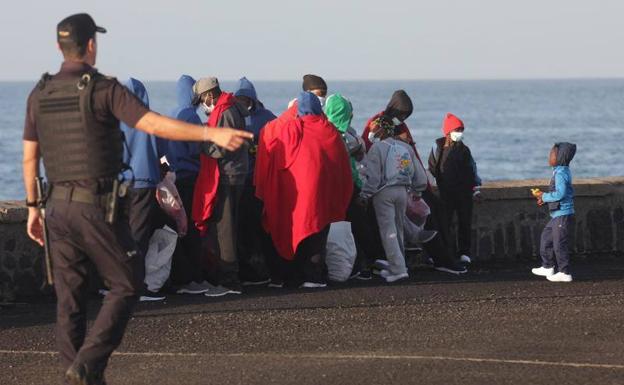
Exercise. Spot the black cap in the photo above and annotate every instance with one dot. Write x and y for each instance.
(78, 28)
(313, 82)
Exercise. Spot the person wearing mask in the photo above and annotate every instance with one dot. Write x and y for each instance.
(252, 237)
(187, 276)
(398, 110)
(339, 112)
(220, 183)
(303, 177)
(455, 171)
(311, 83)
(392, 171)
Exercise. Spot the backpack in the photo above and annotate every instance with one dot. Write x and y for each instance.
(398, 162)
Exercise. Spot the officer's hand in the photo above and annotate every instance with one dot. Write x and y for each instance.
(229, 138)
(34, 226)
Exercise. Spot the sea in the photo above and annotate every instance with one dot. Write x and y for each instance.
(510, 125)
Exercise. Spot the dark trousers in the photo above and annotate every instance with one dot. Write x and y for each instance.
(186, 265)
(310, 257)
(555, 243)
(438, 247)
(142, 214)
(250, 235)
(79, 236)
(459, 204)
(362, 234)
(223, 232)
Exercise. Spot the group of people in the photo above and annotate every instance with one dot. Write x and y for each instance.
(261, 215)
(255, 199)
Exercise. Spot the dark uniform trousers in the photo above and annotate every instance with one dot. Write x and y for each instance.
(80, 236)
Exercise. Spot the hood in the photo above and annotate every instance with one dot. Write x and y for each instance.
(339, 111)
(246, 88)
(451, 123)
(400, 106)
(308, 104)
(184, 91)
(565, 153)
(138, 89)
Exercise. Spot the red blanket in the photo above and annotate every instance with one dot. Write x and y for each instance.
(303, 176)
(205, 193)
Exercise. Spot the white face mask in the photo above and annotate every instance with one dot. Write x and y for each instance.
(207, 108)
(396, 121)
(457, 136)
(322, 100)
(372, 138)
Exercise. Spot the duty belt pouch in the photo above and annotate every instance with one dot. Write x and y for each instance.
(120, 190)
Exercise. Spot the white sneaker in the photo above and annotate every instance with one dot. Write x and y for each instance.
(312, 285)
(389, 277)
(543, 271)
(559, 277)
(465, 259)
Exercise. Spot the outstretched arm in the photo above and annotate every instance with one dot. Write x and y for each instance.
(168, 128)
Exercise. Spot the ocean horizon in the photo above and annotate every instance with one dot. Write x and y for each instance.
(511, 124)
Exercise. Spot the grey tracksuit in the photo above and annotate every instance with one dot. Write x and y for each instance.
(390, 197)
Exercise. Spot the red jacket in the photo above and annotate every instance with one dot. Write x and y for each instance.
(207, 183)
(303, 176)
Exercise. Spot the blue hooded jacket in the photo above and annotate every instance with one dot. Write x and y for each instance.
(563, 192)
(308, 104)
(258, 115)
(183, 157)
(142, 151)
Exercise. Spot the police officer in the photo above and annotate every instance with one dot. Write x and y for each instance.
(72, 122)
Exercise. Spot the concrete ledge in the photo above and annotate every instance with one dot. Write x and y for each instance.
(506, 226)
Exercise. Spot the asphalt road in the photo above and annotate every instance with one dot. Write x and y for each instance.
(491, 326)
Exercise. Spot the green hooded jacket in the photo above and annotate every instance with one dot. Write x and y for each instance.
(340, 112)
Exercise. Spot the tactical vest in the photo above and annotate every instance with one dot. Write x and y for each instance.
(74, 144)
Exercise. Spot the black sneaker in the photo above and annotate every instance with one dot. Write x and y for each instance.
(365, 275)
(276, 284)
(151, 296)
(233, 287)
(457, 270)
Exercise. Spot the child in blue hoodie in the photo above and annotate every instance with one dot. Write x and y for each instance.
(554, 247)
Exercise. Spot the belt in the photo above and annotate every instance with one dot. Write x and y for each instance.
(75, 194)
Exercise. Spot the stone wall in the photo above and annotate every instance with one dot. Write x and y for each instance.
(506, 225)
(21, 260)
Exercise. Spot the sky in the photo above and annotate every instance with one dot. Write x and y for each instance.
(338, 39)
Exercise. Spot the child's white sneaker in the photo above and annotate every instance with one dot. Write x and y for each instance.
(390, 277)
(543, 271)
(465, 259)
(560, 277)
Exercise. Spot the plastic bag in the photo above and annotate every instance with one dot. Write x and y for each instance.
(169, 200)
(341, 251)
(417, 210)
(158, 257)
